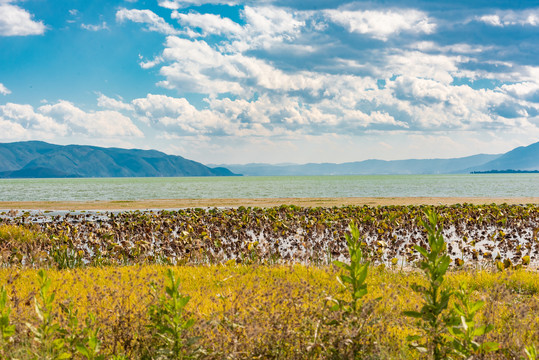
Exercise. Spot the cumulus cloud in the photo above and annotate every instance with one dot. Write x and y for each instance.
(16, 21)
(524, 90)
(382, 24)
(4, 90)
(110, 103)
(22, 121)
(102, 123)
(209, 24)
(178, 114)
(283, 74)
(528, 17)
(64, 118)
(153, 21)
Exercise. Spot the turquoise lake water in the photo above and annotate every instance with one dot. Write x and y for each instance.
(474, 185)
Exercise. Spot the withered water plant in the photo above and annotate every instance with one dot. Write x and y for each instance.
(170, 324)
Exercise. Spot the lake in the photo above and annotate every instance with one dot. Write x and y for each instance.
(467, 185)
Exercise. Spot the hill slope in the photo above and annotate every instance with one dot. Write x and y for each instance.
(520, 158)
(40, 159)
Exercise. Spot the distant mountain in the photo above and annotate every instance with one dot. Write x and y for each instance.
(33, 159)
(36, 159)
(367, 167)
(522, 158)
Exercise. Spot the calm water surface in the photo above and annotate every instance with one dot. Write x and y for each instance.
(477, 185)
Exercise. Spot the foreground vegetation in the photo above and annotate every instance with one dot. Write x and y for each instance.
(247, 312)
(64, 306)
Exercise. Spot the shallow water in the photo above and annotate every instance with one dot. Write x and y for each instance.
(88, 189)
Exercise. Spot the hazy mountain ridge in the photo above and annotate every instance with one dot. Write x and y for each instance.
(40, 159)
(522, 158)
(36, 159)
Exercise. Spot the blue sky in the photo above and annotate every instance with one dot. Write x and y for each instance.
(229, 81)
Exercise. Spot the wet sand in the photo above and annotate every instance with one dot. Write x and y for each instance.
(265, 202)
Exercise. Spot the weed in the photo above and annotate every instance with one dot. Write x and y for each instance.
(353, 282)
(433, 317)
(7, 330)
(169, 323)
(531, 352)
(89, 346)
(66, 257)
(48, 335)
(465, 344)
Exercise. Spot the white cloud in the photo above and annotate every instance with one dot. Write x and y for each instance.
(522, 90)
(98, 27)
(267, 25)
(23, 121)
(179, 114)
(178, 4)
(153, 21)
(436, 105)
(382, 24)
(150, 63)
(256, 87)
(100, 123)
(15, 21)
(209, 23)
(4, 90)
(110, 103)
(460, 48)
(528, 17)
(439, 67)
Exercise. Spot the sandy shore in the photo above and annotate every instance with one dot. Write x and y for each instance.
(266, 202)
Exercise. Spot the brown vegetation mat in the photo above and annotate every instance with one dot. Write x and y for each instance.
(264, 202)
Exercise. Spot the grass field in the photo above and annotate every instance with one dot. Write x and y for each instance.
(130, 307)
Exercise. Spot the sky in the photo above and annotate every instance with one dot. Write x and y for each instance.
(272, 81)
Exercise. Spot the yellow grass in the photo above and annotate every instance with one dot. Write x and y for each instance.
(240, 310)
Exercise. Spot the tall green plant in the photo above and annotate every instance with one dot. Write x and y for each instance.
(466, 331)
(170, 324)
(531, 352)
(354, 313)
(434, 317)
(7, 330)
(48, 335)
(353, 280)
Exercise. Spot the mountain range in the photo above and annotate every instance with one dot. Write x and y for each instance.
(521, 158)
(37, 159)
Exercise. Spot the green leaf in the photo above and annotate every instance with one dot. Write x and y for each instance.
(421, 250)
(346, 279)
(341, 265)
(489, 346)
(83, 351)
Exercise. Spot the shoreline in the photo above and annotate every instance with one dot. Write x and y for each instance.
(152, 204)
